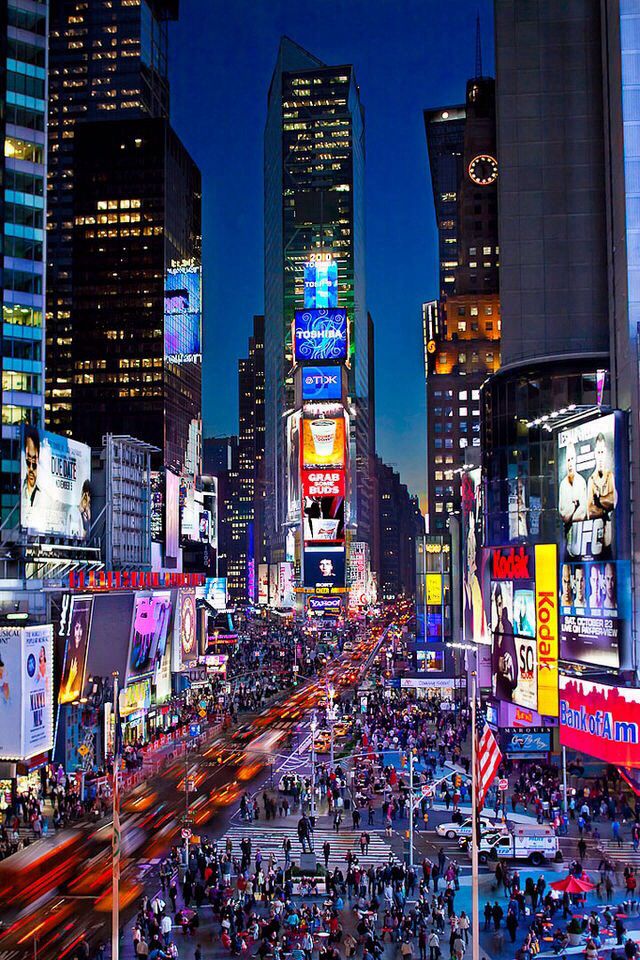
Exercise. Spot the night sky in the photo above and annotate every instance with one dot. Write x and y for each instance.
(408, 55)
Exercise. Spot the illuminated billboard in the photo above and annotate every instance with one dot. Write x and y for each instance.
(323, 442)
(321, 383)
(512, 619)
(287, 591)
(55, 478)
(324, 606)
(183, 314)
(187, 629)
(473, 560)
(293, 468)
(600, 721)
(595, 610)
(26, 691)
(151, 614)
(263, 584)
(321, 281)
(73, 671)
(588, 479)
(323, 494)
(320, 335)
(324, 568)
(546, 561)
(215, 592)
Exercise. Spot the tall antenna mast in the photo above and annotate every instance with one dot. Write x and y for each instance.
(478, 47)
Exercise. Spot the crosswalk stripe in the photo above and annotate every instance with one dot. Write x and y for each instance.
(269, 841)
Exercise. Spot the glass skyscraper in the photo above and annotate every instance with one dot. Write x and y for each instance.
(24, 116)
(314, 160)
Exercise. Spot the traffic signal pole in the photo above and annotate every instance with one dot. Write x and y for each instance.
(411, 805)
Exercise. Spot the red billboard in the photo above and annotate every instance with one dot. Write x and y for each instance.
(600, 721)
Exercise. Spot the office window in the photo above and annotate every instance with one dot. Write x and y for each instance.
(473, 311)
(475, 395)
(472, 251)
(462, 358)
(488, 309)
(462, 326)
(486, 250)
(462, 394)
(438, 475)
(463, 411)
(461, 311)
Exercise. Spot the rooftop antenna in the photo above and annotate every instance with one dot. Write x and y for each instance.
(478, 47)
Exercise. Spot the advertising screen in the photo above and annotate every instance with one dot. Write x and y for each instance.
(323, 442)
(37, 690)
(321, 282)
(588, 490)
(594, 612)
(320, 335)
(73, 671)
(215, 592)
(157, 506)
(135, 696)
(149, 633)
(433, 588)
(513, 625)
(171, 513)
(324, 567)
(263, 584)
(323, 504)
(274, 585)
(321, 383)
(10, 692)
(516, 742)
(55, 478)
(600, 721)
(430, 661)
(546, 558)
(287, 593)
(325, 606)
(474, 560)
(187, 625)
(183, 314)
(293, 468)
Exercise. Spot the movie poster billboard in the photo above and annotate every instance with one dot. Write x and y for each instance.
(37, 690)
(512, 620)
(55, 478)
(75, 658)
(474, 560)
(151, 614)
(293, 468)
(323, 493)
(323, 442)
(320, 334)
(263, 584)
(321, 383)
(287, 591)
(321, 281)
(324, 568)
(600, 721)
(274, 585)
(10, 693)
(589, 481)
(595, 610)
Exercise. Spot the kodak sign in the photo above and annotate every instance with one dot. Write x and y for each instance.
(547, 627)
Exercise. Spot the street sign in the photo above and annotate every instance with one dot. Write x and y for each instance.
(203, 704)
(185, 833)
(503, 784)
(194, 729)
(202, 714)
(426, 790)
(83, 750)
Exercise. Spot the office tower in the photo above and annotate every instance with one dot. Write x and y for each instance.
(247, 495)
(314, 207)
(401, 524)
(220, 460)
(136, 291)
(23, 95)
(107, 61)
(462, 330)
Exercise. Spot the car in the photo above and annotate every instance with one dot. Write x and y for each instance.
(454, 830)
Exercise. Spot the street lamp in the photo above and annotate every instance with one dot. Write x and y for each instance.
(331, 714)
(314, 727)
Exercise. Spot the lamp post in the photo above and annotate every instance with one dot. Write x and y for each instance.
(314, 727)
(331, 712)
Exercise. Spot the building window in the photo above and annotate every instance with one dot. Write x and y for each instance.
(463, 411)
(462, 326)
(461, 311)
(474, 310)
(462, 358)
(475, 394)
(472, 251)
(488, 310)
(462, 394)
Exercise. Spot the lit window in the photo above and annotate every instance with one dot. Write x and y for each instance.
(474, 311)
(462, 394)
(486, 250)
(462, 325)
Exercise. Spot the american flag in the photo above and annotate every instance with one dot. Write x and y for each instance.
(116, 841)
(488, 759)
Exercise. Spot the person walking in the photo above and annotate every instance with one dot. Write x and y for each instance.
(326, 853)
(434, 946)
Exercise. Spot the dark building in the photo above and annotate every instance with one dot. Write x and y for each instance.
(220, 460)
(400, 523)
(314, 161)
(462, 330)
(137, 218)
(247, 499)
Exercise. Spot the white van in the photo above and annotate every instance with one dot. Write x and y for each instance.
(536, 844)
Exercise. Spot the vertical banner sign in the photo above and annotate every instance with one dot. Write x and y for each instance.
(547, 628)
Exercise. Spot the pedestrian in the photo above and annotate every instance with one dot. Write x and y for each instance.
(326, 852)
(434, 946)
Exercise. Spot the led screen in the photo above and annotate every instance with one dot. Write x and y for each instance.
(323, 442)
(55, 477)
(149, 633)
(323, 504)
(320, 335)
(324, 567)
(321, 282)
(73, 672)
(183, 315)
(321, 383)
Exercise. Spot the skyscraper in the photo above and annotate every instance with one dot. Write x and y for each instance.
(23, 96)
(462, 330)
(314, 205)
(107, 61)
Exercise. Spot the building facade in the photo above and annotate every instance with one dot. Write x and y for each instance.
(401, 525)
(462, 329)
(23, 94)
(314, 205)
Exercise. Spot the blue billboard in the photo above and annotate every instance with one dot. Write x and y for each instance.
(320, 334)
(321, 282)
(517, 742)
(321, 383)
(183, 314)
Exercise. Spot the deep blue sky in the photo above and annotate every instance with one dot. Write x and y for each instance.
(408, 54)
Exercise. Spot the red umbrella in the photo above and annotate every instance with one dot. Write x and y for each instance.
(571, 884)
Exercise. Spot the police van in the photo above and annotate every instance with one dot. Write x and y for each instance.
(536, 844)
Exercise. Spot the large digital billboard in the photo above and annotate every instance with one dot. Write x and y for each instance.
(321, 281)
(263, 584)
(474, 560)
(55, 477)
(215, 592)
(287, 591)
(600, 721)
(321, 383)
(323, 442)
(171, 513)
(183, 314)
(588, 464)
(595, 610)
(320, 335)
(546, 561)
(512, 618)
(324, 568)
(26, 691)
(73, 671)
(323, 494)
(293, 468)
(151, 614)
(187, 626)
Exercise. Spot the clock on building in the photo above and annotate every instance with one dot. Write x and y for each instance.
(483, 169)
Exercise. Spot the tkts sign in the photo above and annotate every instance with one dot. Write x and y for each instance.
(323, 483)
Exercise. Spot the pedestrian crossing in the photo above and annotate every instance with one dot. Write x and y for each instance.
(269, 841)
(620, 856)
